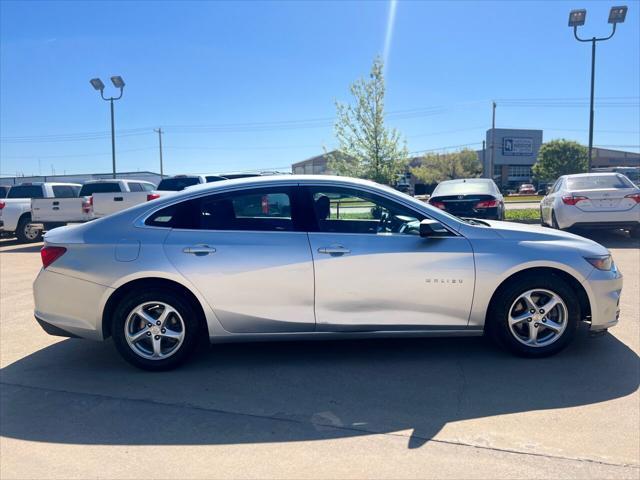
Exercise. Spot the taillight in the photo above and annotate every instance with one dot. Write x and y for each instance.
(633, 196)
(91, 200)
(2, 204)
(152, 196)
(437, 204)
(572, 200)
(51, 254)
(86, 205)
(487, 204)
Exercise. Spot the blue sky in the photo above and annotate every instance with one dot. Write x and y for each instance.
(249, 85)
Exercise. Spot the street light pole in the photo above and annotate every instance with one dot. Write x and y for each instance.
(576, 19)
(98, 85)
(113, 140)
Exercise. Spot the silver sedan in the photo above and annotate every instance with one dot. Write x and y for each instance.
(312, 257)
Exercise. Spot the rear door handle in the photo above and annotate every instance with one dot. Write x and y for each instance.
(334, 250)
(199, 250)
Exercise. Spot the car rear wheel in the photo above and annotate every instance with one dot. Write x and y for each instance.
(534, 316)
(25, 232)
(156, 329)
(554, 221)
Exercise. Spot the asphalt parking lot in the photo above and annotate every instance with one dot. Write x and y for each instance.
(424, 408)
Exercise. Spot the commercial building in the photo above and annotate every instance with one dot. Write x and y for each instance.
(81, 177)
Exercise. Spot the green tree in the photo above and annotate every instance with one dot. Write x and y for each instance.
(368, 149)
(434, 168)
(560, 157)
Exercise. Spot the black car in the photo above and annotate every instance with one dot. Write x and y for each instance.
(469, 197)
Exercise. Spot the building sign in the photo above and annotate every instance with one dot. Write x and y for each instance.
(516, 146)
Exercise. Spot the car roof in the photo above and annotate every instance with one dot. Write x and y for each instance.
(467, 180)
(599, 174)
(105, 180)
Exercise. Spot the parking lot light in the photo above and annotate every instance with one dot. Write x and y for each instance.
(118, 82)
(617, 14)
(577, 19)
(97, 84)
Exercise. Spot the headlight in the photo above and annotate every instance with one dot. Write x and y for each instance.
(601, 262)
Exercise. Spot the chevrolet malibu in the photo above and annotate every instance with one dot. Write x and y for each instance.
(312, 257)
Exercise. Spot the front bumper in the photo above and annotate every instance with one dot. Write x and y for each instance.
(604, 290)
(69, 306)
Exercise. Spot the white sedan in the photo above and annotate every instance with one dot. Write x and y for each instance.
(592, 200)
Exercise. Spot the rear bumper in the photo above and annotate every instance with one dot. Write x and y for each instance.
(571, 216)
(69, 306)
(604, 289)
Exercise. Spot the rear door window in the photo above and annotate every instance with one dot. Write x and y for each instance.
(134, 187)
(265, 209)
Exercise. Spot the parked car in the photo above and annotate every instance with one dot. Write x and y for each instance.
(592, 200)
(4, 189)
(15, 209)
(469, 197)
(180, 182)
(112, 195)
(527, 189)
(271, 258)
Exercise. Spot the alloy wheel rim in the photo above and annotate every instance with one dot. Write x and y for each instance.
(538, 317)
(154, 330)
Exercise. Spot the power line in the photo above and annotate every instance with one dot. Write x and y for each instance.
(320, 122)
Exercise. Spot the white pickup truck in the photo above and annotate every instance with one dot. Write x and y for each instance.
(15, 209)
(96, 198)
(111, 196)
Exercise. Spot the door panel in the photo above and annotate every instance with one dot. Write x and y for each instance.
(392, 282)
(256, 282)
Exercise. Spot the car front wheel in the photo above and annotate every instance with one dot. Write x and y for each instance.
(155, 330)
(534, 315)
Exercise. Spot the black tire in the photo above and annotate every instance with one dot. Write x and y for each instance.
(190, 316)
(22, 231)
(498, 316)
(541, 219)
(554, 221)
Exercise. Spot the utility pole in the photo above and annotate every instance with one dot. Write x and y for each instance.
(97, 84)
(492, 146)
(159, 131)
(484, 158)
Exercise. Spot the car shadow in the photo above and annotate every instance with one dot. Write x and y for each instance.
(610, 238)
(80, 392)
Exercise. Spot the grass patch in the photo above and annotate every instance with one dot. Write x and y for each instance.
(525, 215)
(523, 198)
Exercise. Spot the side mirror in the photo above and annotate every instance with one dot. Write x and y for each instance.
(432, 228)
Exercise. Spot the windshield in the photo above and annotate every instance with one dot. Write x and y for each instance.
(596, 182)
(462, 188)
(102, 187)
(177, 184)
(26, 191)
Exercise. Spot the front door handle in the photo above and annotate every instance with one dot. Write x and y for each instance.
(334, 250)
(199, 250)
